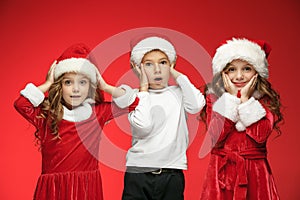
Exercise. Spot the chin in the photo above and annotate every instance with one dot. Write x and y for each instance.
(160, 86)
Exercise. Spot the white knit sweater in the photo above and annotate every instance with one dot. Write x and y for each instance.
(159, 128)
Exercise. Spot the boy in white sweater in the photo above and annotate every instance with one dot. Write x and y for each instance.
(159, 129)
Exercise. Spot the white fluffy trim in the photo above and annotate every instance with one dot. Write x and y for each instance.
(33, 94)
(227, 106)
(241, 49)
(149, 44)
(78, 65)
(240, 126)
(80, 113)
(251, 111)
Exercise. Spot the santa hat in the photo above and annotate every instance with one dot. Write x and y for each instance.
(150, 43)
(253, 52)
(76, 59)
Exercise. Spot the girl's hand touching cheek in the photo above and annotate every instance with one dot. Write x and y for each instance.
(247, 91)
(228, 85)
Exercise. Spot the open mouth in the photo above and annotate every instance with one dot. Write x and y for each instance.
(158, 79)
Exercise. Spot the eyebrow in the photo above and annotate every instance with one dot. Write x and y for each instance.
(67, 77)
(160, 59)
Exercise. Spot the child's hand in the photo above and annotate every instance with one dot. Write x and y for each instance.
(228, 85)
(140, 71)
(174, 72)
(50, 74)
(101, 81)
(247, 91)
(49, 79)
(114, 91)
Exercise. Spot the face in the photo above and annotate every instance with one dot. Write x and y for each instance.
(157, 68)
(240, 72)
(75, 89)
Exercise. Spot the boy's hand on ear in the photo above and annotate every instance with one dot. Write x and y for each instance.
(144, 83)
(174, 72)
(140, 72)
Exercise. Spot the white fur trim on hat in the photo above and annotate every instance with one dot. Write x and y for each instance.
(241, 49)
(149, 44)
(78, 65)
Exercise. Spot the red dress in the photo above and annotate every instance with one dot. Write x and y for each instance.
(238, 167)
(69, 166)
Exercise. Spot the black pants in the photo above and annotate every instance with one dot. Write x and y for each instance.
(148, 186)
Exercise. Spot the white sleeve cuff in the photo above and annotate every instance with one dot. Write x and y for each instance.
(33, 94)
(227, 106)
(251, 111)
(240, 126)
(127, 99)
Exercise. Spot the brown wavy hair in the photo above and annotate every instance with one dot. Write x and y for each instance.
(270, 98)
(52, 106)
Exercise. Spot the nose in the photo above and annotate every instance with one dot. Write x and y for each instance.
(75, 88)
(157, 68)
(239, 75)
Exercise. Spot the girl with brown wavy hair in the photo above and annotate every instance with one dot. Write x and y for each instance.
(69, 122)
(241, 112)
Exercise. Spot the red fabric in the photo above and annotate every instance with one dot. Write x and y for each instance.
(239, 94)
(238, 167)
(79, 50)
(264, 46)
(69, 166)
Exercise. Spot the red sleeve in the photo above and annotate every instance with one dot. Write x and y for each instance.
(108, 110)
(261, 130)
(218, 126)
(29, 112)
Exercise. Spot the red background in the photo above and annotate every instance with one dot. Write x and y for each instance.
(34, 33)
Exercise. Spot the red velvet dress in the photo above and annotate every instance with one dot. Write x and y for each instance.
(69, 166)
(238, 167)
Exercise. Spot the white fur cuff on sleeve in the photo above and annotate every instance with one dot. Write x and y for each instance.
(240, 126)
(33, 94)
(227, 106)
(251, 111)
(128, 98)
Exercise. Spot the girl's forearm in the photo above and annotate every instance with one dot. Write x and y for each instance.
(45, 86)
(114, 91)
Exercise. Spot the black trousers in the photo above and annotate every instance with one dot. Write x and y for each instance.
(149, 186)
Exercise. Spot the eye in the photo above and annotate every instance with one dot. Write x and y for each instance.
(67, 82)
(148, 64)
(83, 82)
(247, 68)
(230, 69)
(164, 62)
